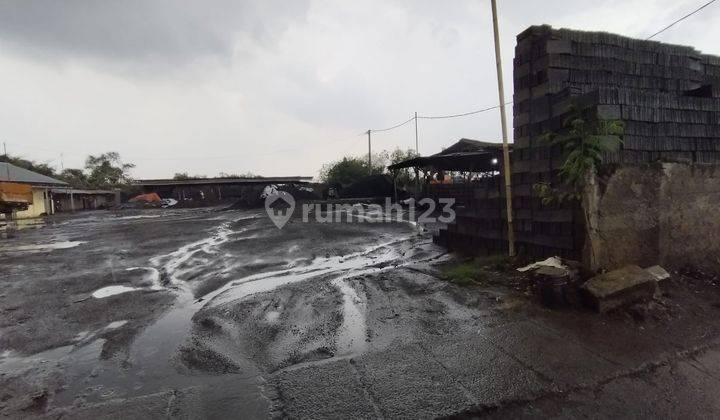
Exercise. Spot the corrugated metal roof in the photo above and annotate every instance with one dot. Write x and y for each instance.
(12, 173)
(465, 155)
(469, 145)
(81, 192)
(213, 181)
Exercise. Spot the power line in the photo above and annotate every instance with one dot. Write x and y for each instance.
(465, 114)
(681, 19)
(390, 128)
(436, 117)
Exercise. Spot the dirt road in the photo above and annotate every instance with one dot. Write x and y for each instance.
(207, 313)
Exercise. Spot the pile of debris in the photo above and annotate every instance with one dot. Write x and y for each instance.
(560, 285)
(150, 200)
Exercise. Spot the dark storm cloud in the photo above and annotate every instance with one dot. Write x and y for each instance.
(165, 31)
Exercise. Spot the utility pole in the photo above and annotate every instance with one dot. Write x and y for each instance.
(506, 148)
(417, 151)
(369, 153)
(7, 159)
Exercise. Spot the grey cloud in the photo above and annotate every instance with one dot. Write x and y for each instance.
(141, 31)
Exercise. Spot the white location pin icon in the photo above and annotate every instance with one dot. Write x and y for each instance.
(280, 212)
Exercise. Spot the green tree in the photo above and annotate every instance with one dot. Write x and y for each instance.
(107, 170)
(406, 176)
(344, 172)
(76, 178)
(349, 169)
(583, 141)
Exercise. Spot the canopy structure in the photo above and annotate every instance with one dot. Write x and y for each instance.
(12, 173)
(466, 155)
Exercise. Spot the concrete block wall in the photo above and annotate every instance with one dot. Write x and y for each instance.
(660, 213)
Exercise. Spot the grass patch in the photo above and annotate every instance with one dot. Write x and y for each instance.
(464, 274)
(500, 263)
(496, 262)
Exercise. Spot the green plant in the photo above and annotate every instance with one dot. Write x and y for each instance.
(549, 195)
(463, 274)
(583, 142)
(497, 262)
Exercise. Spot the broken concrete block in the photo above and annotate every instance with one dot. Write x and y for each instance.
(620, 287)
(658, 272)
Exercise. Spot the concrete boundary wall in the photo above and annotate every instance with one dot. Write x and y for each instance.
(661, 213)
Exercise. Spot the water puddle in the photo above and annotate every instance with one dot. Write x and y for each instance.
(172, 262)
(42, 247)
(139, 216)
(352, 336)
(364, 262)
(115, 325)
(112, 291)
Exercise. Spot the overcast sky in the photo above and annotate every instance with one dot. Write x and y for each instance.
(273, 87)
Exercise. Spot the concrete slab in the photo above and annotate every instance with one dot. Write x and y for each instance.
(486, 371)
(562, 361)
(619, 288)
(658, 272)
(627, 343)
(323, 391)
(426, 389)
(673, 391)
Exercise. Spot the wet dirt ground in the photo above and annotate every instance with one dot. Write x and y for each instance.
(203, 313)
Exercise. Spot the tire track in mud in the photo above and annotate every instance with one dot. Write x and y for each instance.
(245, 305)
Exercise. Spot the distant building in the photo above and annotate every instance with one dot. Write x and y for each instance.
(45, 195)
(209, 190)
(41, 186)
(69, 199)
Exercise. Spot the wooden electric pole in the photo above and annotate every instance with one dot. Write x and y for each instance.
(417, 151)
(506, 148)
(369, 153)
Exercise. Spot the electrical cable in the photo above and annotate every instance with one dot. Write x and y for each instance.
(681, 19)
(438, 117)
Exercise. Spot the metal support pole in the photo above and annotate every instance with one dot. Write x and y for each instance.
(369, 153)
(395, 174)
(506, 148)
